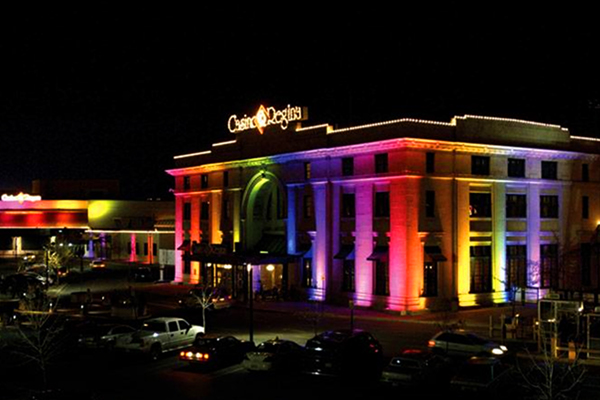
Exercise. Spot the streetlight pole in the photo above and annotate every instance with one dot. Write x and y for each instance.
(251, 302)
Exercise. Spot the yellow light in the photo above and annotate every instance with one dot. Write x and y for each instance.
(270, 268)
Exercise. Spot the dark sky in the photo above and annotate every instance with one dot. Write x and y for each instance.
(112, 93)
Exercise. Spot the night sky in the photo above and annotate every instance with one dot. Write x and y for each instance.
(115, 93)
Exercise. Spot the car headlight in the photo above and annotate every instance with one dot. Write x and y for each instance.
(504, 348)
(497, 351)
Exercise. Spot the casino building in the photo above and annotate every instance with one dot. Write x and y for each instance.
(402, 215)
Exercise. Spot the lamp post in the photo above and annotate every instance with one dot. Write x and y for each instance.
(251, 302)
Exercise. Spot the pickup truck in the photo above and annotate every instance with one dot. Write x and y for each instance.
(159, 335)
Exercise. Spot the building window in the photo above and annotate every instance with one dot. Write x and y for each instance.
(308, 206)
(516, 206)
(347, 166)
(348, 205)
(186, 183)
(516, 266)
(585, 207)
(204, 210)
(382, 204)
(480, 165)
(381, 163)
(154, 249)
(516, 168)
(307, 280)
(307, 171)
(225, 178)
(585, 172)
(548, 265)
(429, 203)
(549, 170)
(430, 163)
(586, 264)
(145, 249)
(481, 269)
(548, 206)
(137, 248)
(204, 181)
(382, 286)
(430, 273)
(187, 211)
(480, 205)
(226, 212)
(348, 277)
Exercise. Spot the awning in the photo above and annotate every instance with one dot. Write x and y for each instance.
(271, 244)
(185, 246)
(346, 252)
(434, 253)
(380, 253)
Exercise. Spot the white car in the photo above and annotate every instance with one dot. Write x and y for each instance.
(275, 354)
(104, 336)
(160, 335)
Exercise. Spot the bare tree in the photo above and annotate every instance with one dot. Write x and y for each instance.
(547, 377)
(40, 335)
(204, 298)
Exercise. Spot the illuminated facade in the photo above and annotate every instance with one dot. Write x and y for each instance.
(133, 231)
(402, 215)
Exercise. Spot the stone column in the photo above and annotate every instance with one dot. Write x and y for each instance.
(336, 273)
(291, 220)
(405, 251)
(533, 236)
(499, 277)
(364, 244)
(179, 237)
(215, 218)
(463, 240)
(321, 243)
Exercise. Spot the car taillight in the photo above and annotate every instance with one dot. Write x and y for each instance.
(431, 343)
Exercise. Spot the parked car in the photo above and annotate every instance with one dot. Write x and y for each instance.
(18, 285)
(465, 344)
(104, 336)
(216, 351)
(483, 376)
(274, 355)
(416, 367)
(343, 352)
(219, 299)
(97, 264)
(143, 274)
(160, 335)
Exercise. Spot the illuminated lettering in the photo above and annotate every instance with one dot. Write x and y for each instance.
(20, 198)
(265, 117)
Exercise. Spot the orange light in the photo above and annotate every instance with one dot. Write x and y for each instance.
(189, 354)
(182, 354)
(206, 356)
(431, 343)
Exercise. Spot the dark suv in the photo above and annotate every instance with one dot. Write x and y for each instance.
(343, 353)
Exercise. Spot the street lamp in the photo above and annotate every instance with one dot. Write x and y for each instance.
(251, 302)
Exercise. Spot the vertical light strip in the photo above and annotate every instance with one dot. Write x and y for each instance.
(321, 255)
(364, 244)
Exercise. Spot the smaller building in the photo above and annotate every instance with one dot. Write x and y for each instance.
(119, 230)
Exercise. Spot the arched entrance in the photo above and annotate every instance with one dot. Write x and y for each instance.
(263, 227)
